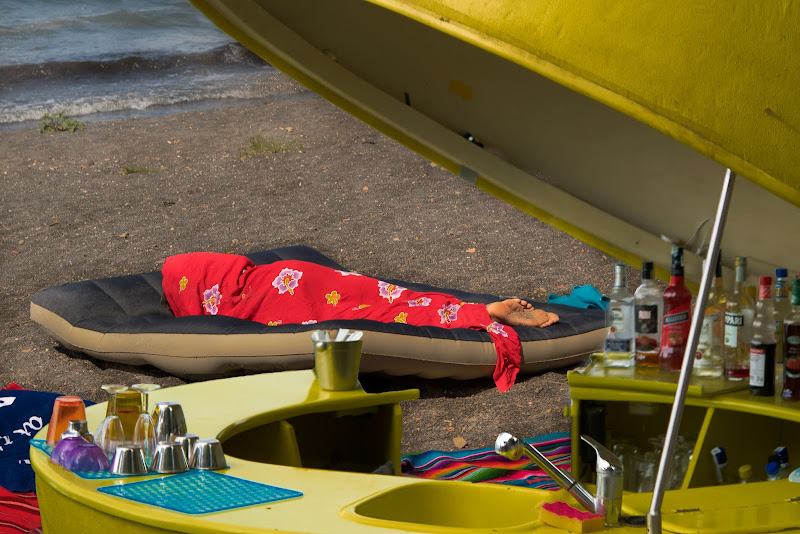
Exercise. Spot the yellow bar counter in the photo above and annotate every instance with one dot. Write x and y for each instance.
(280, 429)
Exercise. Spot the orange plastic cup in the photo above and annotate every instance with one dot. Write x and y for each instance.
(65, 409)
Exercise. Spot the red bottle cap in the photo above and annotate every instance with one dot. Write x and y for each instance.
(765, 280)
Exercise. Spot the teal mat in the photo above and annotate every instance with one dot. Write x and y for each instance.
(200, 492)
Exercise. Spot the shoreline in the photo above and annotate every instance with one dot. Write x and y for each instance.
(72, 212)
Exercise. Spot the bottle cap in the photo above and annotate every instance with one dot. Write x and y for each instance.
(647, 270)
(718, 453)
(765, 280)
(781, 272)
(745, 471)
(773, 468)
(783, 455)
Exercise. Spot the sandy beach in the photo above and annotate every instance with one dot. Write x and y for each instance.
(121, 196)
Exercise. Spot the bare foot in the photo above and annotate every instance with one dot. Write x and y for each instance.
(517, 312)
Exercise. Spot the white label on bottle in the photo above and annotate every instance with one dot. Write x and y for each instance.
(733, 323)
(758, 358)
(618, 319)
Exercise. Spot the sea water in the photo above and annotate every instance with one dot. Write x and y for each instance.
(113, 59)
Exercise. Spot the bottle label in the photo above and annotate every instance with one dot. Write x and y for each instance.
(705, 344)
(792, 346)
(618, 345)
(646, 318)
(758, 357)
(676, 318)
(676, 326)
(733, 326)
(761, 356)
(618, 319)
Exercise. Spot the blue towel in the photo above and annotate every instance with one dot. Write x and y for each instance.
(581, 297)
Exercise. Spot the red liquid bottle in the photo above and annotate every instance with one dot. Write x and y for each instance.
(677, 316)
(791, 347)
(763, 345)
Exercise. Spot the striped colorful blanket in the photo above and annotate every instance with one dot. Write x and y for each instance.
(485, 465)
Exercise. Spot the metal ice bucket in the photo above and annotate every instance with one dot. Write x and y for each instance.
(337, 359)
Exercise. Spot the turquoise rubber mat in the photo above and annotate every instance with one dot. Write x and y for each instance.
(200, 492)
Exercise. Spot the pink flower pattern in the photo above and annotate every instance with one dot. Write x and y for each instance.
(422, 301)
(449, 313)
(496, 328)
(389, 291)
(287, 280)
(211, 299)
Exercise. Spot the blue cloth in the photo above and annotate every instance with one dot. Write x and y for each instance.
(582, 297)
(22, 414)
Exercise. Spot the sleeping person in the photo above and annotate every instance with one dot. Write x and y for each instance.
(299, 292)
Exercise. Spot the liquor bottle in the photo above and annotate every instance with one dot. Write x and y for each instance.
(708, 358)
(783, 307)
(677, 316)
(791, 347)
(762, 346)
(735, 345)
(749, 309)
(619, 319)
(648, 305)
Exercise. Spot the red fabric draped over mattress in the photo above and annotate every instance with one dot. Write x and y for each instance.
(299, 292)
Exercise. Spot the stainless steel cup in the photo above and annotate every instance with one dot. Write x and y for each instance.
(169, 419)
(78, 427)
(169, 458)
(208, 455)
(187, 442)
(129, 460)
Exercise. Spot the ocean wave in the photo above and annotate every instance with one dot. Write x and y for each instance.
(94, 105)
(231, 53)
(73, 21)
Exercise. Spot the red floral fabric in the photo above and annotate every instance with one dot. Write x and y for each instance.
(298, 292)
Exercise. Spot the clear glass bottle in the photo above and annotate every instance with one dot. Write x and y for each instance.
(791, 347)
(708, 358)
(618, 350)
(749, 309)
(735, 344)
(648, 308)
(677, 316)
(763, 344)
(783, 307)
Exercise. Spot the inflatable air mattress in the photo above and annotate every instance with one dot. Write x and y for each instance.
(124, 320)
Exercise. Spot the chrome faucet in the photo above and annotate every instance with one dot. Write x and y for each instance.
(607, 501)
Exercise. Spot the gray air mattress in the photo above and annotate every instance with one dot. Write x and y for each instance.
(123, 319)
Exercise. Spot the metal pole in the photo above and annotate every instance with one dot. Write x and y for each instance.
(654, 515)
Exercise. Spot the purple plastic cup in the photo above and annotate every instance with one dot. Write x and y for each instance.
(63, 447)
(86, 457)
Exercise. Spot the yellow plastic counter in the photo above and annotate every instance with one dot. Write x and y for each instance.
(281, 429)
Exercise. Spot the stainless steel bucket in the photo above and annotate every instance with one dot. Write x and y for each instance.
(337, 359)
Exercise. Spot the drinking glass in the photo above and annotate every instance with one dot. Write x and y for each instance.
(144, 433)
(65, 409)
(110, 433)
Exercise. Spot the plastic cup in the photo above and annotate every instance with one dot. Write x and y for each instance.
(65, 409)
(64, 447)
(86, 457)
